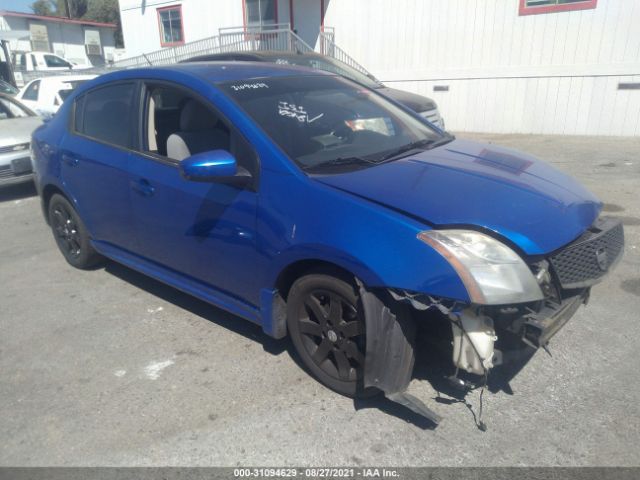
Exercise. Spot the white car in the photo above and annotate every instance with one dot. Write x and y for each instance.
(32, 61)
(16, 124)
(45, 95)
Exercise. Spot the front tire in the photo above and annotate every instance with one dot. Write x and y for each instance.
(327, 327)
(71, 234)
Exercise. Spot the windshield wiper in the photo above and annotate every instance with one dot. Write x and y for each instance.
(342, 161)
(425, 142)
(407, 148)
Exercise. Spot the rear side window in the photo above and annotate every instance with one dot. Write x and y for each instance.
(54, 62)
(106, 114)
(31, 93)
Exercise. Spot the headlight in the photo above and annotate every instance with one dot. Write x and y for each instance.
(492, 273)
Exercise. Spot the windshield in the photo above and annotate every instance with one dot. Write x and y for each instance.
(325, 121)
(8, 88)
(12, 109)
(329, 65)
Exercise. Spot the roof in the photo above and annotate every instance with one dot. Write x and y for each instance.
(262, 55)
(215, 72)
(65, 78)
(208, 72)
(45, 18)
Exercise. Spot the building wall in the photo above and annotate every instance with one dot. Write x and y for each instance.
(201, 19)
(547, 73)
(488, 68)
(66, 40)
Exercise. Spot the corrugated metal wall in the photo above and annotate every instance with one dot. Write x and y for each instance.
(548, 73)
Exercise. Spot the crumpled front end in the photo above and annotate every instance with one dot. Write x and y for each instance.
(485, 337)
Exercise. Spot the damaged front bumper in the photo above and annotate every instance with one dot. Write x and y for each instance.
(479, 342)
(484, 337)
(540, 326)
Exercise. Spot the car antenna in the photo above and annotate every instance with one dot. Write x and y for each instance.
(147, 59)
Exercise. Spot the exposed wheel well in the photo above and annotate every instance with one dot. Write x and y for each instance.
(47, 192)
(304, 267)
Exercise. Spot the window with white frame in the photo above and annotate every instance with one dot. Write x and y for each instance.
(260, 12)
(170, 24)
(532, 7)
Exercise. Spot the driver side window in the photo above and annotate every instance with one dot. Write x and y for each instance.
(178, 125)
(54, 62)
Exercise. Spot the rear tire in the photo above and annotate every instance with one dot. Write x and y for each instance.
(71, 234)
(326, 323)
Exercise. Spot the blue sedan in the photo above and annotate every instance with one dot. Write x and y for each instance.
(319, 209)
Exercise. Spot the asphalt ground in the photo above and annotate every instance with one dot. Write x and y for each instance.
(109, 367)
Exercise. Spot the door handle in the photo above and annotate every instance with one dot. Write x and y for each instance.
(70, 160)
(143, 187)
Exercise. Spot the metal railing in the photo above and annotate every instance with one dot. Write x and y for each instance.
(326, 45)
(276, 37)
(234, 39)
(273, 39)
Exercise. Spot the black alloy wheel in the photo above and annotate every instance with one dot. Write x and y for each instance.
(327, 327)
(70, 234)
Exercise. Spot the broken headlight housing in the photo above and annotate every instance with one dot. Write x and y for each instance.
(492, 273)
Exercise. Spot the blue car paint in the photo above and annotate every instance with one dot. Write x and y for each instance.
(229, 246)
(516, 196)
(207, 165)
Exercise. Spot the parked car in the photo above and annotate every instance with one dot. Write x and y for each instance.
(7, 88)
(418, 103)
(16, 124)
(45, 95)
(316, 208)
(32, 61)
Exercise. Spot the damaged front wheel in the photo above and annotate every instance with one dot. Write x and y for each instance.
(327, 327)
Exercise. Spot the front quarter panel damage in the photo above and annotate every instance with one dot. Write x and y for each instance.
(391, 350)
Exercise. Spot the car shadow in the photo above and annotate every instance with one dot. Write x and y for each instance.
(17, 192)
(432, 365)
(197, 307)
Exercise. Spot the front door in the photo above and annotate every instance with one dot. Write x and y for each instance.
(203, 231)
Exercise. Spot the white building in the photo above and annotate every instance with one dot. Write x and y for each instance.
(148, 25)
(82, 42)
(511, 66)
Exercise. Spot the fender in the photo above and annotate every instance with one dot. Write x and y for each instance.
(391, 350)
(321, 254)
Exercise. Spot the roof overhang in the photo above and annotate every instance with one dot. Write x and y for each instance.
(44, 18)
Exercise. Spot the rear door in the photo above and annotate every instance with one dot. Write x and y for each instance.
(94, 159)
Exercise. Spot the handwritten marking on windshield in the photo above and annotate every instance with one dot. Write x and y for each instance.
(291, 110)
(245, 86)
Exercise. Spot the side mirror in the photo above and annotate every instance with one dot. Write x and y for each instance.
(214, 166)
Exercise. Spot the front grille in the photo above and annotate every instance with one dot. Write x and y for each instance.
(14, 148)
(433, 116)
(5, 171)
(21, 165)
(17, 168)
(586, 260)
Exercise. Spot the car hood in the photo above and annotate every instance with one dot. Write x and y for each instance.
(415, 102)
(465, 183)
(17, 130)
